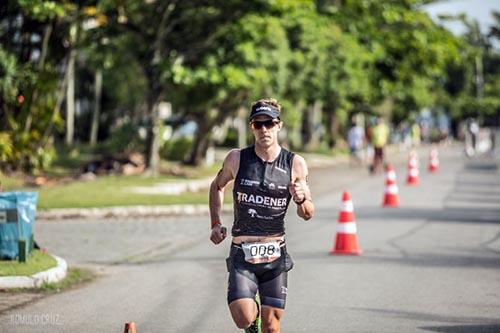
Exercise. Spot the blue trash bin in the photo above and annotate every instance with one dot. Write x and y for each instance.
(17, 217)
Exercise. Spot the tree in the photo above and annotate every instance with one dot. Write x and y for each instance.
(33, 87)
(411, 52)
(184, 32)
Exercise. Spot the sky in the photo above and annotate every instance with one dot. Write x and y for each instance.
(476, 9)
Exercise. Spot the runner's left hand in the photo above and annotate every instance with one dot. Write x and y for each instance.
(298, 189)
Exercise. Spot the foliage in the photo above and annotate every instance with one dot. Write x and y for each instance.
(212, 58)
(176, 149)
(124, 138)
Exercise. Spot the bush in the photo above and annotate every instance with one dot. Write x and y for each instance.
(6, 147)
(176, 149)
(123, 139)
(231, 138)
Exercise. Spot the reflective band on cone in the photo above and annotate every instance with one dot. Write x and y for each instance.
(390, 175)
(392, 189)
(346, 228)
(413, 172)
(433, 161)
(347, 206)
(391, 197)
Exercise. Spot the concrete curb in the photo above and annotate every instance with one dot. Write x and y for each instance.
(51, 275)
(126, 211)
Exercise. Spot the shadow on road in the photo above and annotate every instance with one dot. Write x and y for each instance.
(470, 324)
(413, 260)
(453, 214)
(494, 328)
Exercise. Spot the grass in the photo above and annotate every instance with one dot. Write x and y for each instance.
(115, 190)
(112, 191)
(75, 276)
(37, 262)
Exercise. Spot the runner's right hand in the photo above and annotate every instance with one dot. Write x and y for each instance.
(219, 233)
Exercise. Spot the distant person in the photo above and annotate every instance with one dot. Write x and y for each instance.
(266, 178)
(369, 143)
(416, 135)
(355, 140)
(474, 131)
(380, 137)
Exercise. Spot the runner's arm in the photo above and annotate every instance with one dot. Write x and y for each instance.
(301, 194)
(216, 194)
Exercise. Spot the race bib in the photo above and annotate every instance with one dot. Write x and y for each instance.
(256, 253)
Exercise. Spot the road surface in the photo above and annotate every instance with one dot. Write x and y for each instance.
(432, 265)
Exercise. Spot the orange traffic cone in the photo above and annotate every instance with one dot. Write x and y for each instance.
(130, 328)
(391, 195)
(413, 173)
(434, 160)
(346, 240)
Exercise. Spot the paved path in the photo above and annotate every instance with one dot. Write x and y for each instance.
(432, 265)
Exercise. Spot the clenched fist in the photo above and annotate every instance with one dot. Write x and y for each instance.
(299, 190)
(219, 233)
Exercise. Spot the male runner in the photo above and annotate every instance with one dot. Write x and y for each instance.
(267, 177)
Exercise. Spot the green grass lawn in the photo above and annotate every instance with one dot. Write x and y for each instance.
(37, 262)
(114, 190)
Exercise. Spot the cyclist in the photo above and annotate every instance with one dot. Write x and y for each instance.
(266, 177)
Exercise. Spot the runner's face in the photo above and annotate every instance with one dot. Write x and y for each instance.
(267, 134)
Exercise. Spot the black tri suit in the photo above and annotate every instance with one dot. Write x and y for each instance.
(261, 198)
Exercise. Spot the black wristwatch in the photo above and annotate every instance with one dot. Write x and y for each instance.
(301, 201)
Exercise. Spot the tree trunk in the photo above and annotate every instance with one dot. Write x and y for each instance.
(334, 126)
(242, 128)
(312, 125)
(203, 137)
(94, 129)
(70, 99)
(330, 121)
(479, 77)
(153, 141)
(201, 142)
(41, 64)
(57, 108)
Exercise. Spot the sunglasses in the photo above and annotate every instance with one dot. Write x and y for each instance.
(257, 125)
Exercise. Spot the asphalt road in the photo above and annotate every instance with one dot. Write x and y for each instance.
(432, 265)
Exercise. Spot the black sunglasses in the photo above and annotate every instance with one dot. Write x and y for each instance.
(257, 125)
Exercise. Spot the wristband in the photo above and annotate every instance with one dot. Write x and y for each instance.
(301, 201)
(216, 222)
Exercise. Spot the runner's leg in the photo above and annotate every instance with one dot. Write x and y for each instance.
(273, 298)
(241, 292)
(271, 319)
(243, 311)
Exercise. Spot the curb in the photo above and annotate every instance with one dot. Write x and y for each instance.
(51, 275)
(127, 211)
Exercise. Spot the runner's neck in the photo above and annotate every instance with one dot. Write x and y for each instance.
(268, 154)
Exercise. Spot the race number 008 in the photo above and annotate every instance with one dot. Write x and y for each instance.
(262, 250)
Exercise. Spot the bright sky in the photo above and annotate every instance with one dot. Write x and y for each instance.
(475, 9)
